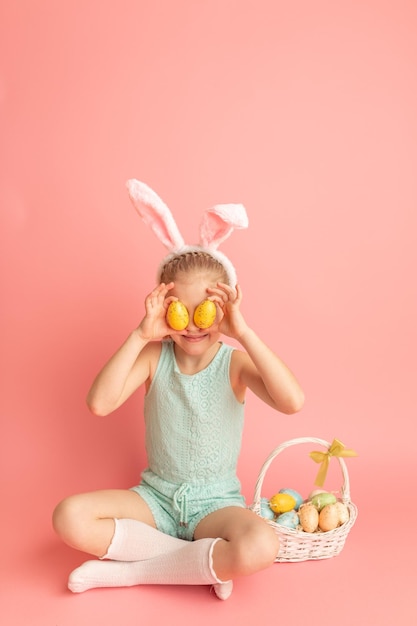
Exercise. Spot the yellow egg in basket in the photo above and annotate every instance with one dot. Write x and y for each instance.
(282, 503)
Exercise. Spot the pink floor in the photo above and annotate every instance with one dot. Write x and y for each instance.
(371, 582)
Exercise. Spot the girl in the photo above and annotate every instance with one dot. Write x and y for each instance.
(186, 522)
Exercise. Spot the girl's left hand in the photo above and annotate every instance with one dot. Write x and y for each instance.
(227, 300)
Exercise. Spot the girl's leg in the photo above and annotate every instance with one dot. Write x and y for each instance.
(250, 543)
(118, 525)
(244, 545)
(191, 564)
(87, 521)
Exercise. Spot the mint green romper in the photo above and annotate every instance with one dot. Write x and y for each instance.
(194, 429)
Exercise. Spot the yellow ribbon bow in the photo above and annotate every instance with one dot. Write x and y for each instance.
(336, 449)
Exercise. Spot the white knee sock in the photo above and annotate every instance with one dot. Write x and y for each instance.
(136, 541)
(191, 564)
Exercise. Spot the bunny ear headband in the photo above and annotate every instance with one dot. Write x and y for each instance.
(217, 224)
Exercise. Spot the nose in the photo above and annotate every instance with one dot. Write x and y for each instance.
(192, 327)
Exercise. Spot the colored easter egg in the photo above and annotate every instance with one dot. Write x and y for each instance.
(205, 314)
(177, 315)
(297, 497)
(289, 519)
(282, 503)
(309, 518)
(329, 518)
(265, 509)
(321, 500)
(343, 512)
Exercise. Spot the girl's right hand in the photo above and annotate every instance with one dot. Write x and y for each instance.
(154, 325)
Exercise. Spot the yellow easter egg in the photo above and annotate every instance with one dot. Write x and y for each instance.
(205, 314)
(282, 503)
(177, 315)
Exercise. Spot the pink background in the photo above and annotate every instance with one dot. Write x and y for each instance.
(306, 113)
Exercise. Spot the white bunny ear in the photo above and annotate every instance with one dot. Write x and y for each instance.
(219, 222)
(155, 213)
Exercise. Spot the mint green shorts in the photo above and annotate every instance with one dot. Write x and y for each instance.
(178, 508)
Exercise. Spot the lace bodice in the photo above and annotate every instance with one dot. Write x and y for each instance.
(193, 422)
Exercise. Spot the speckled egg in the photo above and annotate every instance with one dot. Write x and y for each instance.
(205, 314)
(265, 510)
(329, 518)
(309, 518)
(177, 315)
(297, 497)
(343, 512)
(289, 519)
(282, 503)
(320, 500)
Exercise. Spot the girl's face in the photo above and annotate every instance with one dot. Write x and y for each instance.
(191, 290)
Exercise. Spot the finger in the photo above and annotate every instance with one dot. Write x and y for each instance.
(159, 294)
(239, 293)
(162, 288)
(219, 293)
(168, 300)
(218, 301)
(231, 291)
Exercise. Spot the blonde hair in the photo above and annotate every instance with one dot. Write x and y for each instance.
(196, 260)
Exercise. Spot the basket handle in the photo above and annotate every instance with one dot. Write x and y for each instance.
(345, 490)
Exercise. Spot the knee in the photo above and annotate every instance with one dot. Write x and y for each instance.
(66, 519)
(257, 550)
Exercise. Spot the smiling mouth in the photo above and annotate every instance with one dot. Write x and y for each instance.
(195, 338)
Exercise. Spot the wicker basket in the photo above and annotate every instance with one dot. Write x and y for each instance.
(297, 545)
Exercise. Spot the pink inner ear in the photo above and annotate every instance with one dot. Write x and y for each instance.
(219, 221)
(214, 230)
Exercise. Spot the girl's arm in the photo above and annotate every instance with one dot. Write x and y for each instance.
(259, 368)
(127, 370)
(267, 376)
(133, 363)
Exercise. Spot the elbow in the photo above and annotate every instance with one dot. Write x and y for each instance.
(97, 408)
(295, 403)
